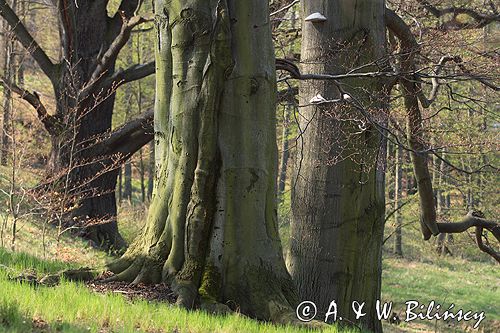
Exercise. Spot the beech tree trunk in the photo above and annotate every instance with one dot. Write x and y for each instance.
(338, 199)
(212, 225)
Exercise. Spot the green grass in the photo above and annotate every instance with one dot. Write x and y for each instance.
(469, 285)
(78, 310)
(71, 307)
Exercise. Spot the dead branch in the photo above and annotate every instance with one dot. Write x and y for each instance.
(475, 219)
(51, 123)
(480, 19)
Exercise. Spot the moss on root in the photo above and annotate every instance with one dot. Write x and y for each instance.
(211, 284)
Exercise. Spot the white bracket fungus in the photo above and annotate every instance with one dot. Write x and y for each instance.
(315, 18)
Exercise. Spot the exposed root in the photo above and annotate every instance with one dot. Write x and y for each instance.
(214, 308)
(187, 293)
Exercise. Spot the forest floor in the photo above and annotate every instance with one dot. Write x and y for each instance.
(79, 307)
(92, 307)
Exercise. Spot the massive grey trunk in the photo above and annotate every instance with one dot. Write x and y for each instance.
(212, 224)
(338, 197)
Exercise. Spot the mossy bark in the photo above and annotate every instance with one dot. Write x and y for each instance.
(338, 191)
(212, 225)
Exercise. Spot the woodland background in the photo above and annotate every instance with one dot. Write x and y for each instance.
(461, 124)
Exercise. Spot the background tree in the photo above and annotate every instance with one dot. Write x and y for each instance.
(84, 154)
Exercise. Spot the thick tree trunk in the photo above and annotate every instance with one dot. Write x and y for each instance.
(84, 155)
(88, 178)
(338, 199)
(212, 225)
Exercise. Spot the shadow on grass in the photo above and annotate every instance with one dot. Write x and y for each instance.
(12, 320)
(23, 261)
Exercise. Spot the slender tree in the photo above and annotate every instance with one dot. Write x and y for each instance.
(9, 77)
(398, 193)
(151, 169)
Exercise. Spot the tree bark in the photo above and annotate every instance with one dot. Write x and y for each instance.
(151, 169)
(8, 77)
(91, 177)
(338, 196)
(212, 224)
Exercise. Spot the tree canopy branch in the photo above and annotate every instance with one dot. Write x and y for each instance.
(480, 20)
(114, 49)
(51, 123)
(475, 219)
(27, 40)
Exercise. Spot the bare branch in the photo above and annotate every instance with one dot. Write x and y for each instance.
(285, 7)
(131, 74)
(129, 138)
(475, 219)
(290, 67)
(480, 20)
(25, 38)
(415, 131)
(51, 123)
(109, 57)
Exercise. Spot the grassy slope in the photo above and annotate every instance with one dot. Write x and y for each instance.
(72, 308)
(469, 285)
